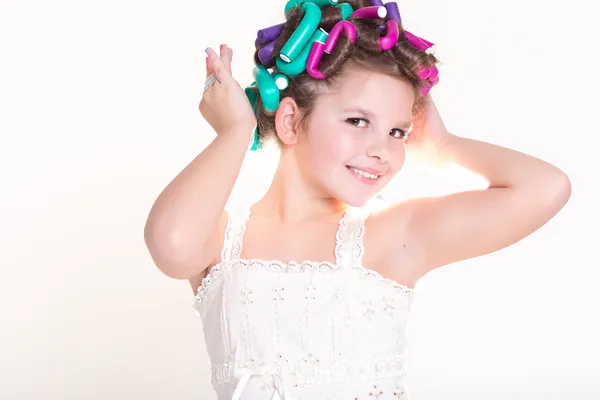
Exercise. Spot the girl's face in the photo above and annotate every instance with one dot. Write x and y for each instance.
(354, 141)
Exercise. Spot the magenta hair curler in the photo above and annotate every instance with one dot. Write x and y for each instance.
(314, 57)
(391, 37)
(317, 50)
(420, 43)
(336, 31)
(370, 12)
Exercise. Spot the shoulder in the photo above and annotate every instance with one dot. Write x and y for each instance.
(390, 243)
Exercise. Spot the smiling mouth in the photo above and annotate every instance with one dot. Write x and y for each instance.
(364, 174)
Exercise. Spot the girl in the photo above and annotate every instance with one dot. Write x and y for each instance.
(305, 294)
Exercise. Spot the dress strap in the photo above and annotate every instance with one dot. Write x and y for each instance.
(349, 246)
(234, 234)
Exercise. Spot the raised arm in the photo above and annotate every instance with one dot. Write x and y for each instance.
(523, 194)
(182, 230)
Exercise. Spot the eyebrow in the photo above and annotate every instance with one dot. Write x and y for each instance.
(370, 115)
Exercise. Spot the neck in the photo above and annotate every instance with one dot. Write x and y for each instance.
(293, 196)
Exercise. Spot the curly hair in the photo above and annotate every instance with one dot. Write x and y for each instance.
(401, 61)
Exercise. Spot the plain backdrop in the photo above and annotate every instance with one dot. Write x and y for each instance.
(99, 111)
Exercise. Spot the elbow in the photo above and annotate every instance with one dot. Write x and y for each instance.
(167, 252)
(558, 191)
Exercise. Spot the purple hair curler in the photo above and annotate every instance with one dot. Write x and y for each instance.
(269, 34)
(266, 53)
(336, 31)
(391, 37)
(377, 2)
(370, 12)
(393, 12)
(420, 43)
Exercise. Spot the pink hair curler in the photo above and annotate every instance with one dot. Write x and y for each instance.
(336, 31)
(318, 48)
(423, 72)
(314, 57)
(391, 37)
(370, 12)
(420, 43)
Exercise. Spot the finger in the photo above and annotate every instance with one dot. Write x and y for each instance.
(209, 67)
(220, 70)
(225, 56)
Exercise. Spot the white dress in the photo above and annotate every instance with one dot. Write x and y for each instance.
(304, 331)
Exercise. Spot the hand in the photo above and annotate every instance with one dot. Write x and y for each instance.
(225, 104)
(427, 133)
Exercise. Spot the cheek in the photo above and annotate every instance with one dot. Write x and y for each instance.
(335, 148)
(398, 156)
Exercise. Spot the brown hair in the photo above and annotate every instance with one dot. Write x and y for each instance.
(400, 61)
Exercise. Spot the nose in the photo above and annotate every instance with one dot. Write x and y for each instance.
(378, 148)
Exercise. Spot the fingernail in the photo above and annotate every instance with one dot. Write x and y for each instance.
(207, 50)
(221, 47)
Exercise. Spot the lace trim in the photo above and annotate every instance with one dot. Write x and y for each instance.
(227, 240)
(311, 371)
(349, 239)
(292, 267)
(341, 257)
(242, 219)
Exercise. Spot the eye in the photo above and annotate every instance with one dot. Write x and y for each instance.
(399, 133)
(357, 121)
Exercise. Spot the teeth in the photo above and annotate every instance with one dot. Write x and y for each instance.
(365, 174)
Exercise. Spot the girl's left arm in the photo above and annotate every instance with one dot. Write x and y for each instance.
(523, 194)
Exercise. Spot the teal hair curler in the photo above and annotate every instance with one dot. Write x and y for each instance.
(269, 93)
(252, 94)
(290, 5)
(281, 81)
(298, 66)
(302, 34)
(256, 144)
(346, 10)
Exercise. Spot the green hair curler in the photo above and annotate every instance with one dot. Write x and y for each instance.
(346, 10)
(252, 94)
(302, 34)
(298, 66)
(269, 93)
(281, 81)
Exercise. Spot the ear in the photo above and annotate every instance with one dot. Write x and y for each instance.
(287, 120)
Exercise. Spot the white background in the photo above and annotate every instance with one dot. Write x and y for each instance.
(98, 112)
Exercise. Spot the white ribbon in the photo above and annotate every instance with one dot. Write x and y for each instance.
(280, 393)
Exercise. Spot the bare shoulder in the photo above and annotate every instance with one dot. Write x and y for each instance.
(215, 246)
(391, 247)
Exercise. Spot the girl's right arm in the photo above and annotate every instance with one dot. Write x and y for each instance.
(182, 230)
